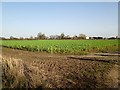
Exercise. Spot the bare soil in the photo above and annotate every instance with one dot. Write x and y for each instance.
(43, 70)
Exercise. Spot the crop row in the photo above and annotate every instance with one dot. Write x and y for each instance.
(63, 46)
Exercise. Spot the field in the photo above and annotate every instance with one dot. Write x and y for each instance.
(60, 64)
(63, 46)
(24, 69)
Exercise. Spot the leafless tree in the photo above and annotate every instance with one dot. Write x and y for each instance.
(41, 36)
(82, 36)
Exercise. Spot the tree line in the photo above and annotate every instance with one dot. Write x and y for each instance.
(42, 36)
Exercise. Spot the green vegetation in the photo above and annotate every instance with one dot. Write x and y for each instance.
(63, 46)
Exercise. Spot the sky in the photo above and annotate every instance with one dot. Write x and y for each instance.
(0, 18)
(60, 0)
(25, 19)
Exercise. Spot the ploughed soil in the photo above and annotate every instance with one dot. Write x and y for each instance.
(44, 70)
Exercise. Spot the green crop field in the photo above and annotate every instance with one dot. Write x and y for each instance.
(63, 46)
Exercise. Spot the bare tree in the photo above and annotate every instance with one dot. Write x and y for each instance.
(62, 36)
(11, 37)
(82, 36)
(51, 37)
(75, 37)
(31, 37)
(41, 36)
(21, 38)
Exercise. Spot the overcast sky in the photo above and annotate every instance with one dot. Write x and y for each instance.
(28, 18)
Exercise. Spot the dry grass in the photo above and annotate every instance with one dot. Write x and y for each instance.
(13, 73)
(57, 74)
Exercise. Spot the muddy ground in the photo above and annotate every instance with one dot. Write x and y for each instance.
(44, 70)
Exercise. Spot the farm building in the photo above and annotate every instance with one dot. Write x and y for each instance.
(87, 38)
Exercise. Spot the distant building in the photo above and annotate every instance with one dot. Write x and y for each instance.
(87, 37)
(96, 37)
(112, 37)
